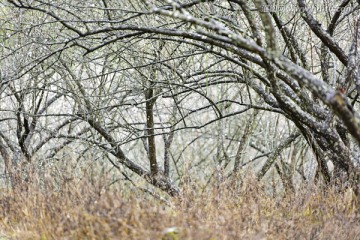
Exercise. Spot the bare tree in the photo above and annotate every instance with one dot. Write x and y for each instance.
(124, 66)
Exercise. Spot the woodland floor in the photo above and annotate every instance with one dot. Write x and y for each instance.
(87, 210)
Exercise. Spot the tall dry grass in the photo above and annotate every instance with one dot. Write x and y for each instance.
(84, 209)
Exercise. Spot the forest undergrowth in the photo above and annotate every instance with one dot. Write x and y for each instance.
(89, 209)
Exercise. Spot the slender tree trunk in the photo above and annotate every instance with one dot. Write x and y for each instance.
(150, 130)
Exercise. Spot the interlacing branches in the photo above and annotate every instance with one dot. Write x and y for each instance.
(124, 65)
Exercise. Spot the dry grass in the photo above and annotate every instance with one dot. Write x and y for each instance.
(79, 210)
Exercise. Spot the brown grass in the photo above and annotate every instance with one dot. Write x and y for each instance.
(80, 210)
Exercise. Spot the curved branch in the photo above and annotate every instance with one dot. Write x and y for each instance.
(321, 33)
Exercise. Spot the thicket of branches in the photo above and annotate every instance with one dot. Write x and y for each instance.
(173, 90)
